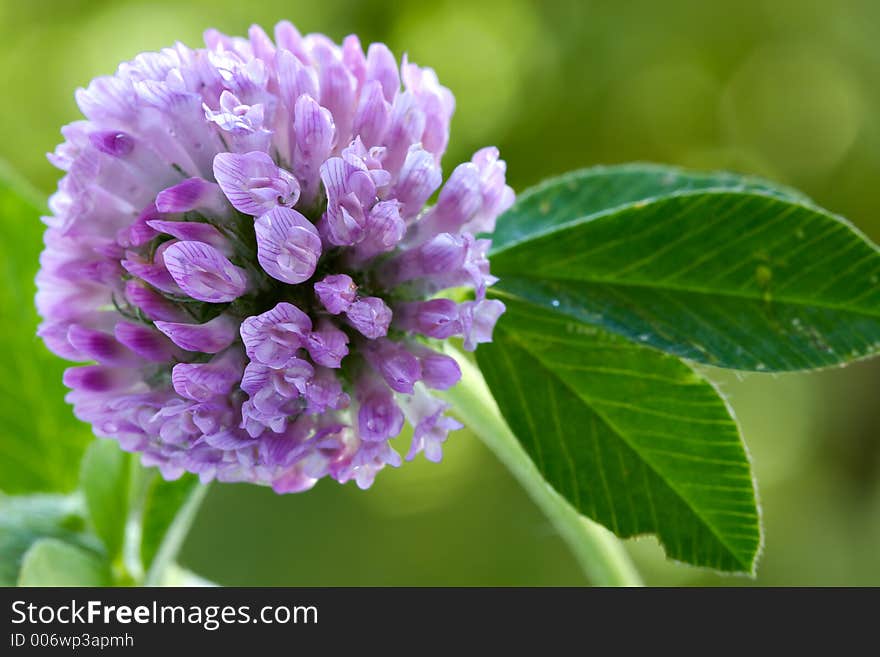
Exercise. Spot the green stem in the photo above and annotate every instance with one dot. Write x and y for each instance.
(174, 537)
(598, 551)
(139, 480)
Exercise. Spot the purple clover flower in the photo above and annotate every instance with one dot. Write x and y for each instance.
(241, 255)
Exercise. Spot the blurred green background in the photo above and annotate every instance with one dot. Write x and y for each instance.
(786, 88)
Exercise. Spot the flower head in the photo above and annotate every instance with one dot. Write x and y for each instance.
(242, 252)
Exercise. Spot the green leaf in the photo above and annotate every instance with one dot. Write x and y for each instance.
(40, 441)
(167, 513)
(744, 280)
(26, 519)
(633, 438)
(104, 480)
(52, 562)
(587, 192)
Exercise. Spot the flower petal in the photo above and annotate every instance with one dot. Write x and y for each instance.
(211, 337)
(288, 245)
(371, 316)
(336, 292)
(204, 273)
(273, 337)
(253, 183)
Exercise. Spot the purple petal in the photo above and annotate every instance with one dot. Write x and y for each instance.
(97, 378)
(275, 392)
(353, 58)
(253, 183)
(314, 132)
(373, 115)
(235, 116)
(152, 304)
(204, 381)
(295, 79)
(255, 422)
(261, 44)
(140, 232)
(436, 318)
(288, 245)
(435, 100)
(430, 426)
(283, 449)
(405, 128)
(348, 187)
(445, 261)
(478, 320)
(336, 292)
(273, 337)
(344, 226)
(460, 198)
(54, 334)
(289, 38)
(497, 196)
(324, 392)
(370, 458)
(419, 178)
(444, 253)
(371, 316)
(293, 481)
(211, 337)
(327, 345)
(439, 371)
(395, 363)
(351, 183)
(337, 91)
(100, 346)
(385, 230)
(382, 67)
(204, 273)
(192, 194)
(229, 440)
(472, 198)
(296, 375)
(256, 377)
(155, 273)
(194, 231)
(369, 160)
(112, 142)
(146, 342)
(379, 417)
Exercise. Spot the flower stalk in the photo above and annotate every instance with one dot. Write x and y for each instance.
(175, 536)
(600, 554)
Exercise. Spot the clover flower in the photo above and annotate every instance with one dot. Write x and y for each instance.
(242, 249)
